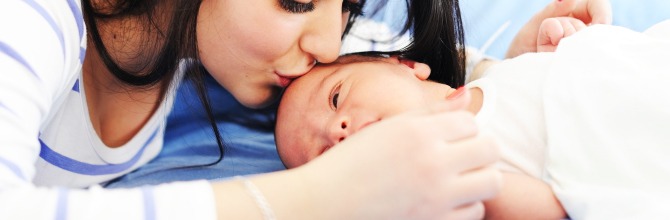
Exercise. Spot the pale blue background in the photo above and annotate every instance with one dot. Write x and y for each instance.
(482, 18)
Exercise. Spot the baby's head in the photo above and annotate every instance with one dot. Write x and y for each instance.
(333, 101)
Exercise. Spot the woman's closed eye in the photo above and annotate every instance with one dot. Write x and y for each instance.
(292, 6)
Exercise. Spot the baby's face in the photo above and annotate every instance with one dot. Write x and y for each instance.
(334, 101)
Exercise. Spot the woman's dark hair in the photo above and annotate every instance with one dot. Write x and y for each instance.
(167, 42)
(437, 39)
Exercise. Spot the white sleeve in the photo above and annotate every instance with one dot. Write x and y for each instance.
(39, 41)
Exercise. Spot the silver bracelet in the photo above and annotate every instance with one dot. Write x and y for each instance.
(262, 203)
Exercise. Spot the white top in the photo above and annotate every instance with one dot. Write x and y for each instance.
(47, 143)
(591, 119)
(512, 111)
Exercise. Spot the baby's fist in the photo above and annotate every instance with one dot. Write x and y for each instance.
(553, 30)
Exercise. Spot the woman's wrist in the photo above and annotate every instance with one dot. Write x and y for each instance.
(259, 198)
(290, 194)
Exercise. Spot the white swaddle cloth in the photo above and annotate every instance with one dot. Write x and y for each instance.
(608, 122)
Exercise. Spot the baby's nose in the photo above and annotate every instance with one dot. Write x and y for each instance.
(339, 131)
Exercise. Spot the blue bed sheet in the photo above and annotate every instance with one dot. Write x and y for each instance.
(247, 133)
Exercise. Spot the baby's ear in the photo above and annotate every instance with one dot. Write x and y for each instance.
(421, 70)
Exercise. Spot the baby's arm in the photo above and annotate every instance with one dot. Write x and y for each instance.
(553, 30)
(524, 197)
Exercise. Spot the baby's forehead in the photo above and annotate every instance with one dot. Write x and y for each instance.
(319, 74)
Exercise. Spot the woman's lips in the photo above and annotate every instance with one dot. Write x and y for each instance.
(284, 80)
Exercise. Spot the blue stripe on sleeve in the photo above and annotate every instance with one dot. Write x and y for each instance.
(49, 20)
(79, 167)
(82, 54)
(76, 86)
(61, 206)
(13, 167)
(6, 49)
(3, 106)
(78, 17)
(149, 205)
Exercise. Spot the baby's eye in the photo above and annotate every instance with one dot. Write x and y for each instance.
(335, 96)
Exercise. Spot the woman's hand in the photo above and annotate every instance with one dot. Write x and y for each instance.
(588, 12)
(420, 165)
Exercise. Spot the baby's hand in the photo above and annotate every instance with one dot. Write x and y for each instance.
(553, 30)
(587, 11)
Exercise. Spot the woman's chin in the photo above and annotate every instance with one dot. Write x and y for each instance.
(259, 101)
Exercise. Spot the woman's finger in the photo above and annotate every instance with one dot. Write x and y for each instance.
(562, 8)
(457, 100)
(477, 185)
(600, 11)
(468, 211)
(474, 153)
(592, 11)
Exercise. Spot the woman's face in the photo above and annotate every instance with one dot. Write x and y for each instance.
(254, 48)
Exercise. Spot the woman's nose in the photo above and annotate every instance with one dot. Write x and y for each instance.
(322, 38)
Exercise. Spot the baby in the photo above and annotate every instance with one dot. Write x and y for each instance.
(586, 125)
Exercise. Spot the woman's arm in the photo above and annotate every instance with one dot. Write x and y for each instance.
(524, 197)
(40, 48)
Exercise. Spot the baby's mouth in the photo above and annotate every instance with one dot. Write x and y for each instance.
(324, 149)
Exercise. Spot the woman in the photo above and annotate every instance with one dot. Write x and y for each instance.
(95, 85)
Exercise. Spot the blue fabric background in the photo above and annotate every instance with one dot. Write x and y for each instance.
(247, 133)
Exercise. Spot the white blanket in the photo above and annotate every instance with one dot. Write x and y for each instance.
(608, 118)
